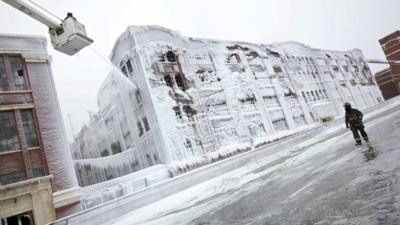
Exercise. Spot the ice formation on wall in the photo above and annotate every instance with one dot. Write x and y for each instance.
(193, 97)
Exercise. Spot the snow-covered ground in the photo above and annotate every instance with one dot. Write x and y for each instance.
(323, 179)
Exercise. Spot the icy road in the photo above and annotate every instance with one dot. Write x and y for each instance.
(321, 179)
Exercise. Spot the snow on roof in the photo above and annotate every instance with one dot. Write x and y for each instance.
(139, 35)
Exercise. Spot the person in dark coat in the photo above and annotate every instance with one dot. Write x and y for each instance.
(354, 122)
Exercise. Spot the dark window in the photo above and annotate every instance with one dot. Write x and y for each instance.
(104, 153)
(179, 82)
(116, 147)
(346, 68)
(139, 124)
(9, 139)
(161, 58)
(123, 69)
(3, 76)
(171, 56)
(155, 158)
(178, 113)
(188, 145)
(18, 73)
(277, 69)
(12, 177)
(168, 80)
(38, 172)
(149, 160)
(129, 66)
(29, 128)
(188, 111)
(138, 96)
(146, 124)
(304, 96)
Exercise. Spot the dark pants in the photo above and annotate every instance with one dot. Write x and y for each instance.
(355, 130)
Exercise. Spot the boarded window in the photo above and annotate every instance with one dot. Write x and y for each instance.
(18, 73)
(3, 76)
(9, 139)
(29, 128)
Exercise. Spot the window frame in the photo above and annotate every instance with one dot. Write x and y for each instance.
(9, 77)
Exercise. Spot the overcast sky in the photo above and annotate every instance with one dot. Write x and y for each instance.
(328, 24)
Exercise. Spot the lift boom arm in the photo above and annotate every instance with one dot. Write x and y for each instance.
(68, 36)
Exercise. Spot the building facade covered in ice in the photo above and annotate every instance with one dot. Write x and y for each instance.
(193, 100)
(37, 178)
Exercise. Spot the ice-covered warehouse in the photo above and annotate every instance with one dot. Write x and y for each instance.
(199, 97)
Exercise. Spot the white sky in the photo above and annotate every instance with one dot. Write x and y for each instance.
(328, 24)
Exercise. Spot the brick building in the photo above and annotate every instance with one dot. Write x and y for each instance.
(389, 79)
(37, 179)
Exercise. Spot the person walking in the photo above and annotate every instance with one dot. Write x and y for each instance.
(354, 121)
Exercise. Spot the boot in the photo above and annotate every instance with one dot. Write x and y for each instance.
(358, 143)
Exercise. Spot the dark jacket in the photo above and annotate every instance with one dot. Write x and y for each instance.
(354, 118)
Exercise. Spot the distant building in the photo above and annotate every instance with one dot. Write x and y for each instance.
(37, 180)
(389, 78)
(195, 99)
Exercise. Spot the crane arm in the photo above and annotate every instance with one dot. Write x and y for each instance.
(34, 13)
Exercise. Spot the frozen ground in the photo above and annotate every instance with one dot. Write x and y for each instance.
(323, 179)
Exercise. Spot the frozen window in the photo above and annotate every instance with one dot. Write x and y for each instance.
(3, 76)
(188, 111)
(170, 56)
(18, 73)
(104, 153)
(9, 139)
(320, 92)
(277, 69)
(139, 125)
(155, 158)
(168, 80)
(280, 124)
(138, 96)
(123, 69)
(271, 100)
(29, 128)
(149, 160)
(179, 82)
(188, 145)
(313, 95)
(116, 147)
(161, 58)
(129, 66)
(304, 96)
(178, 113)
(146, 124)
